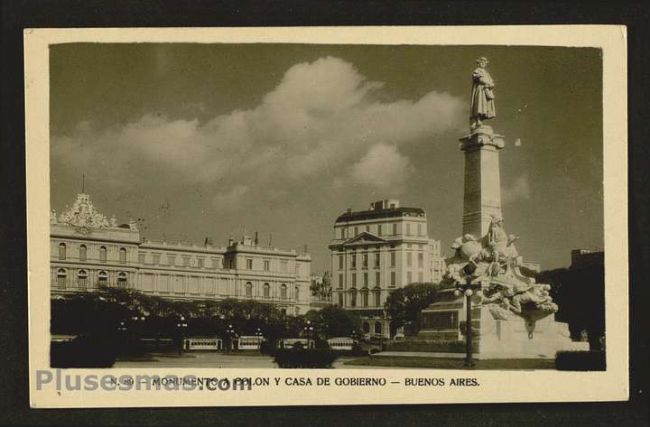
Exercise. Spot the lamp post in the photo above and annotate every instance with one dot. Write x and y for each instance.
(468, 290)
(181, 326)
(138, 324)
(258, 334)
(122, 327)
(230, 334)
(309, 331)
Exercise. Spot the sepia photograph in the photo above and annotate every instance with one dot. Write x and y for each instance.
(429, 208)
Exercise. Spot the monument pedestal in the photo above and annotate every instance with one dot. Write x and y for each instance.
(497, 333)
(515, 339)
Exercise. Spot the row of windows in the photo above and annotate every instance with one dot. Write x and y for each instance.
(82, 278)
(188, 260)
(122, 280)
(377, 260)
(380, 229)
(376, 298)
(266, 291)
(393, 245)
(266, 265)
(393, 279)
(366, 327)
(83, 253)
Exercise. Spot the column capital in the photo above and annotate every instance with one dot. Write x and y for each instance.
(482, 136)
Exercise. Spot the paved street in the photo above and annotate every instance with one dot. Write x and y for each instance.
(201, 359)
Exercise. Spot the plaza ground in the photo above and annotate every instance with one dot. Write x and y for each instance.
(442, 363)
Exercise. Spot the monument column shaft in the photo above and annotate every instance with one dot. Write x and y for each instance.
(482, 196)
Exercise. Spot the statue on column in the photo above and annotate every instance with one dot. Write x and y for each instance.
(482, 105)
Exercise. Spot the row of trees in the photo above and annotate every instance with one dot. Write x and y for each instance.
(111, 309)
(578, 292)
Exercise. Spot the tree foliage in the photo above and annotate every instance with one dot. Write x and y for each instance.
(103, 311)
(404, 305)
(580, 294)
(333, 321)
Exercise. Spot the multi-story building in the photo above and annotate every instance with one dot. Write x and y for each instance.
(89, 251)
(581, 258)
(376, 251)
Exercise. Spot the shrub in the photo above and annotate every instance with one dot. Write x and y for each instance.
(266, 347)
(580, 361)
(83, 352)
(311, 358)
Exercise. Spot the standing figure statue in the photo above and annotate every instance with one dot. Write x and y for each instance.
(482, 95)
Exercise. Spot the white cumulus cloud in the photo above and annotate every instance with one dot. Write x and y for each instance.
(323, 119)
(383, 167)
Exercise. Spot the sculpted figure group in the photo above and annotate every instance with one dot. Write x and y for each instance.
(494, 263)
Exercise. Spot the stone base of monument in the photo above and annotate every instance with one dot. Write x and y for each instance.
(518, 338)
(497, 334)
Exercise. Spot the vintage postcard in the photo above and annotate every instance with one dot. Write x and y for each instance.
(317, 216)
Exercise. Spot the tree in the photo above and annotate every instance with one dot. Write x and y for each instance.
(579, 292)
(404, 305)
(333, 321)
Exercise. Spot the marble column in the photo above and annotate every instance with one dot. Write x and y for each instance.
(482, 195)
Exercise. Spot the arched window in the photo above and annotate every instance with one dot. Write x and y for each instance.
(353, 297)
(102, 278)
(83, 252)
(283, 291)
(297, 293)
(377, 297)
(61, 276)
(378, 328)
(122, 256)
(364, 297)
(122, 279)
(341, 299)
(249, 290)
(62, 249)
(267, 290)
(366, 327)
(102, 254)
(82, 278)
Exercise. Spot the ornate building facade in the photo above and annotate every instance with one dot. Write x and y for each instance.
(376, 251)
(89, 251)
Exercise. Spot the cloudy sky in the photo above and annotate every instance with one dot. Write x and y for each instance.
(218, 140)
